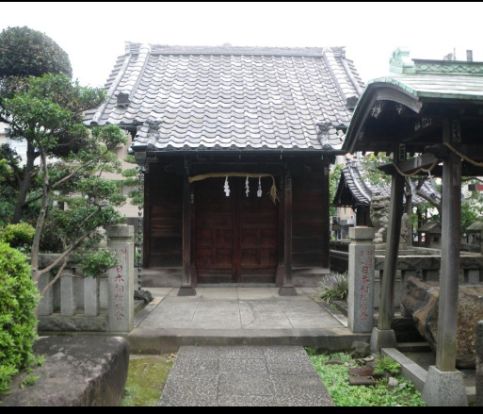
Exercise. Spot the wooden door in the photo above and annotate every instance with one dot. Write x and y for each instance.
(236, 236)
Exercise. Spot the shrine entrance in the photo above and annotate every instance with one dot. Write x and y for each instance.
(235, 231)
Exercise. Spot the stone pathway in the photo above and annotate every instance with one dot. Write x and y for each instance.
(243, 376)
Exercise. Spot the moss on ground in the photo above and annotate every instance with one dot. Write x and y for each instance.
(146, 377)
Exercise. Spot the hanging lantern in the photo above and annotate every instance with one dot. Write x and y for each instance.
(259, 191)
(227, 187)
(247, 187)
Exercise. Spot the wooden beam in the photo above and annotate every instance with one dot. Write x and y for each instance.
(425, 160)
(450, 260)
(386, 310)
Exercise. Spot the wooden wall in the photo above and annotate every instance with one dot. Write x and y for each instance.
(311, 218)
(163, 222)
(163, 217)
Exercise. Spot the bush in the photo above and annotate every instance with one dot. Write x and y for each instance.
(27, 52)
(96, 263)
(18, 323)
(334, 287)
(17, 235)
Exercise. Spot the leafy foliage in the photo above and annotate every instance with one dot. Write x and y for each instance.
(29, 380)
(336, 380)
(18, 235)
(385, 364)
(25, 52)
(334, 177)
(95, 263)
(18, 323)
(73, 197)
(9, 169)
(370, 163)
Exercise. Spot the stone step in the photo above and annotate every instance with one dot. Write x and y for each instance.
(148, 341)
(413, 347)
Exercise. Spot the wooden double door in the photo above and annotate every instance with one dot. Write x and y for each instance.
(235, 237)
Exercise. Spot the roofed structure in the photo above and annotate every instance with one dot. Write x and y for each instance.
(432, 111)
(355, 189)
(210, 98)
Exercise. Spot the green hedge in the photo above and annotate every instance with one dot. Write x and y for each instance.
(18, 323)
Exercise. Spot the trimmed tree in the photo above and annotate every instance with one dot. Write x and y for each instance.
(74, 199)
(23, 53)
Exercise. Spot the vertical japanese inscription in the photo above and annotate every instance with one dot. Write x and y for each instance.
(120, 286)
(365, 258)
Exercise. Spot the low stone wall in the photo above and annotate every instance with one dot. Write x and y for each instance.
(78, 303)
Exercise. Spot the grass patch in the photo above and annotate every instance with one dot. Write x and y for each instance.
(146, 378)
(336, 380)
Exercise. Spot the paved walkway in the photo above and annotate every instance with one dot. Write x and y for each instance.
(243, 376)
(234, 309)
(237, 316)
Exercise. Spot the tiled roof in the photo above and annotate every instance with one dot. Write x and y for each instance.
(354, 179)
(231, 97)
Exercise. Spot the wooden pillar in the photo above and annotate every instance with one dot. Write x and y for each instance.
(450, 260)
(444, 384)
(187, 288)
(147, 217)
(326, 217)
(386, 304)
(287, 288)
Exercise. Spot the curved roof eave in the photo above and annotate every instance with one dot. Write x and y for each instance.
(380, 89)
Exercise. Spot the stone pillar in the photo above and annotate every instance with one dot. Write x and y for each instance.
(46, 303)
(121, 279)
(479, 364)
(67, 296)
(91, 296)
(361, 279)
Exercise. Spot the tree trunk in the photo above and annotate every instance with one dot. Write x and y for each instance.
(25, 183)
(40, 219)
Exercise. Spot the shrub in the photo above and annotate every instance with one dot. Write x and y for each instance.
(17, 235)
(18, 323)
(334, 287)
(96, 263)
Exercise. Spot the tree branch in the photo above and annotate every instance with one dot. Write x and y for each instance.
(66, 253)
(57, 277)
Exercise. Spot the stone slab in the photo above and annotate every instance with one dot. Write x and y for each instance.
(78, 371)
(243, 376)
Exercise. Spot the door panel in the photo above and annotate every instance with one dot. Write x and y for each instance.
(236, 237)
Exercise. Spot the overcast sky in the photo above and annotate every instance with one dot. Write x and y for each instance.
(93, 34)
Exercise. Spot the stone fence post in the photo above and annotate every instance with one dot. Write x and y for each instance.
(361, 279)
(121, 279)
